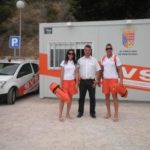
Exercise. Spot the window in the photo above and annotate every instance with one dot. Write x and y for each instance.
(35, 67)
(8, 68)
(79, 53)
(25, 70)
(58, 51)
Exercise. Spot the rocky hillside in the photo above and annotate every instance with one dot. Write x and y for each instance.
(34, 13)
(37, 11)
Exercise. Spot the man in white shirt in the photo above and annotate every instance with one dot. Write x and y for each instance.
(89, 77)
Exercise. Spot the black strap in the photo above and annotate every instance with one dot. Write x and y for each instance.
(102, 71)
(116, 68)
(124, 94)
(55, 88)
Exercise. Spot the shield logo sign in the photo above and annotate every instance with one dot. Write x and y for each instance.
(128, 37)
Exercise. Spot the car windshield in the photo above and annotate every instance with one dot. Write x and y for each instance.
(8, 68)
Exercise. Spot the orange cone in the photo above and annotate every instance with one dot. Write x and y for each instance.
(122, 90)
(60, 93)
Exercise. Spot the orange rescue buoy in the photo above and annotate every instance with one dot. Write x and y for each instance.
(59, 92)
(122, 90)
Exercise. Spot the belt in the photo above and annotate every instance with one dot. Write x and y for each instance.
(87, 79)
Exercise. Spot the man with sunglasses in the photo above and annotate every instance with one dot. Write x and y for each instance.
(111, 71)
(89, 77)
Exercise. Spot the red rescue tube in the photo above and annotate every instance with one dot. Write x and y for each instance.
(59, 92)
(122, 90)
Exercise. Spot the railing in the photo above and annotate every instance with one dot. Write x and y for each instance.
(11, 58)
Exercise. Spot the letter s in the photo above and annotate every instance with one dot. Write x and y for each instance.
(145, 75)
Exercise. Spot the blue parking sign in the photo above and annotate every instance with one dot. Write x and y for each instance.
(14, 42)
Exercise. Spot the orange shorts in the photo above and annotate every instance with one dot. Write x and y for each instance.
(69, 86)
(109, 86)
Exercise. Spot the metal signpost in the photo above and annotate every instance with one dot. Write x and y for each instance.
(14, 43)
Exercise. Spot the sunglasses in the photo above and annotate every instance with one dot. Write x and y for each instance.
(70, 53)
(110, 48)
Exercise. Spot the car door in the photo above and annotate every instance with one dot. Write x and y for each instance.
(35, 80)
(24, 79)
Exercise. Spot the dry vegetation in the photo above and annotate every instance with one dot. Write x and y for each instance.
(34, 13)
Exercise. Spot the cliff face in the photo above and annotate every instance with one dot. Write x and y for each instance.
(34, 13)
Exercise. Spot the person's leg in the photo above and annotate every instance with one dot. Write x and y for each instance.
(82, 93)
(61, 106)
(68, 108)
(116, 107)
(106, 91)
(91, 91)
(113, 89)
(71, 91)
(107, 102)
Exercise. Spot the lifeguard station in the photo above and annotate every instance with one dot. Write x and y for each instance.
(129, 40)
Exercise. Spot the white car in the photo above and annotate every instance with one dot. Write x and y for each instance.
(17, 78)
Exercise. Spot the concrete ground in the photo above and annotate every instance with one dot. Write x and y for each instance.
(32, 124)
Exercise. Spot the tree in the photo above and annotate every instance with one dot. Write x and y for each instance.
(6, 9)
(84, 10)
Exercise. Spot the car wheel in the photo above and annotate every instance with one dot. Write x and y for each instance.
(11, 96)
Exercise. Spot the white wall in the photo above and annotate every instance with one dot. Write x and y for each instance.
(101, 33)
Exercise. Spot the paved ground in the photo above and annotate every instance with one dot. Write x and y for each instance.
(32, 124)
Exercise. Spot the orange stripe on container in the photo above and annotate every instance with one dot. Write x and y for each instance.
(136, 76)
(138, 88)
(44, 67)
(56, 73)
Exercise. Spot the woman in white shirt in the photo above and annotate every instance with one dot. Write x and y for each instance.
(111, 71)
(69, 80)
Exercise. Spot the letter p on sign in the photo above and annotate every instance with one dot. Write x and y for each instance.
(14, 42)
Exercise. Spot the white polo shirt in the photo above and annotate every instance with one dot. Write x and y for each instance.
(110, 70)
(69, 70)
(88, 67)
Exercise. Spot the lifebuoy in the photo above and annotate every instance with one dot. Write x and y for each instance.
(122, 90)
(59, 92)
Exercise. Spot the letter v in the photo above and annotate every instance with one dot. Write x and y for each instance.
(128, 74)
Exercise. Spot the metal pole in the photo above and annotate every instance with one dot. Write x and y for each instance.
(20, 30)
(14, 53)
